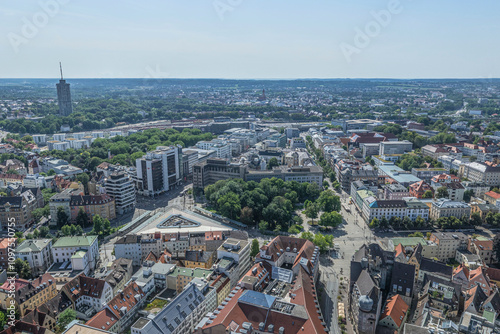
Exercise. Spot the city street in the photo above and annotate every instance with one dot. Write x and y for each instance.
(335, 267)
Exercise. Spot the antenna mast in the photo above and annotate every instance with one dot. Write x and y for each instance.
(60, 66)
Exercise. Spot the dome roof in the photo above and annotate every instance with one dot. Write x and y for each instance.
(365, 303)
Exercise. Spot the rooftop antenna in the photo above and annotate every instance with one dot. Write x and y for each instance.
(60, 66)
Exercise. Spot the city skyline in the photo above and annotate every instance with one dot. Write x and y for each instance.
(224, 39)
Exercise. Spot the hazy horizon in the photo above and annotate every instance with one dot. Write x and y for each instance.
(247, 40)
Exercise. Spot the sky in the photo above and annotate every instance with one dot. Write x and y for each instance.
(250, 39)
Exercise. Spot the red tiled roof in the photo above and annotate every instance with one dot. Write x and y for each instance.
(484, 244)
(492, 194)
(104, 320)
(493, 273)
(396, 309)
(399, 249)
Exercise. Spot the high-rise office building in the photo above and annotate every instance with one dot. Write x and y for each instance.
(159, 171)
(64, 96)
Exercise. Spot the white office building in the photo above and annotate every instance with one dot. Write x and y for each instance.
(121, 188)
(159, 171)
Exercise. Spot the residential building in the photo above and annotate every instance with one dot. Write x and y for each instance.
(180, 277)
(222, 286)
(63, 200)
(395, 191)
(427, 174)
(65, 249)
(434, 151)
(403, 281)
(29, 294)
(181, 315)
(451, 183)
(160, 272)
(199, 259)
(478, 188)
(434, 268)
(239, 251)
(418, 189)
(159, 171)
(447, 208)
(448, 243)
(38, 253)
(492, 198)
(286, 255)
(298, 314)
(120, 272)
(18, 210)
(88, 295)
(440, 293)
(484, 249)
(368, 185)
(34, 181)
(121, 189)
(483, 209)
(416, 208)
(5, 244)
(102, 205)
(384, 208)
(120, 312)
(480, 173)
(394, 314)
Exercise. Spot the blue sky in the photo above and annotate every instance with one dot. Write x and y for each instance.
(250, 39)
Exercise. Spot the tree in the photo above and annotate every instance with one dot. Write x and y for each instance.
(51, 172)
(66, 230)
(442, 192)
(44, 232)
(324, 242)
(312, 190)
(254, 250)
(416, 234)
(229, 205)
(333, 219)
(312, 211)
(82, 218)
(66, 316)
(246, 215)
(62, 217)
(374, 223)
(475, 219)
(84, 179)
(98, 225)
(263, 226)
(468, 195)
(328, 201)
(273, 162)
(36, 234)
(428, 194)
(3, 319)
(490, 218)
(22, 268)
(37, 214)
(326, 184)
